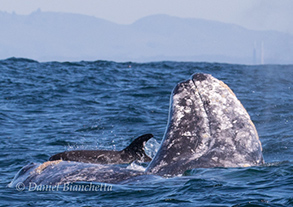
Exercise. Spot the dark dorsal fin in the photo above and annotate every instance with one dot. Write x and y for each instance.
(137, 147)
(134, 151)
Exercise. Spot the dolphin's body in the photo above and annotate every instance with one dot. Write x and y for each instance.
(134, 152)
(207, 127)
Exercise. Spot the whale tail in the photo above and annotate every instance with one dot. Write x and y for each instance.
(136, 148)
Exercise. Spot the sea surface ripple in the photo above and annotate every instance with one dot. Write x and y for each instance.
(50, 107)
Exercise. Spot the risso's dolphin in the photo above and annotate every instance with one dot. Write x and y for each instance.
(207, 127)
(134, 152)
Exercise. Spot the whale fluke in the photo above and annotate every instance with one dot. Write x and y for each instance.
(134, 152)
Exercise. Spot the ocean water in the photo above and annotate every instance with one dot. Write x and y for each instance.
(50, 107)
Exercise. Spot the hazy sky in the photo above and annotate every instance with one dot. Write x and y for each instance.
(252, 14)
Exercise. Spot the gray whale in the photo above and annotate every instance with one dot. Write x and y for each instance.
(207, 127)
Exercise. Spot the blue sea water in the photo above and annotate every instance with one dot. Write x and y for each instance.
(50, 107)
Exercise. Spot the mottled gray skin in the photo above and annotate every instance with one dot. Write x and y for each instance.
(207, 127)
(134, 152)
(61, 172)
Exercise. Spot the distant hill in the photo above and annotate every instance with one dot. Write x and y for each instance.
(46, 36)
